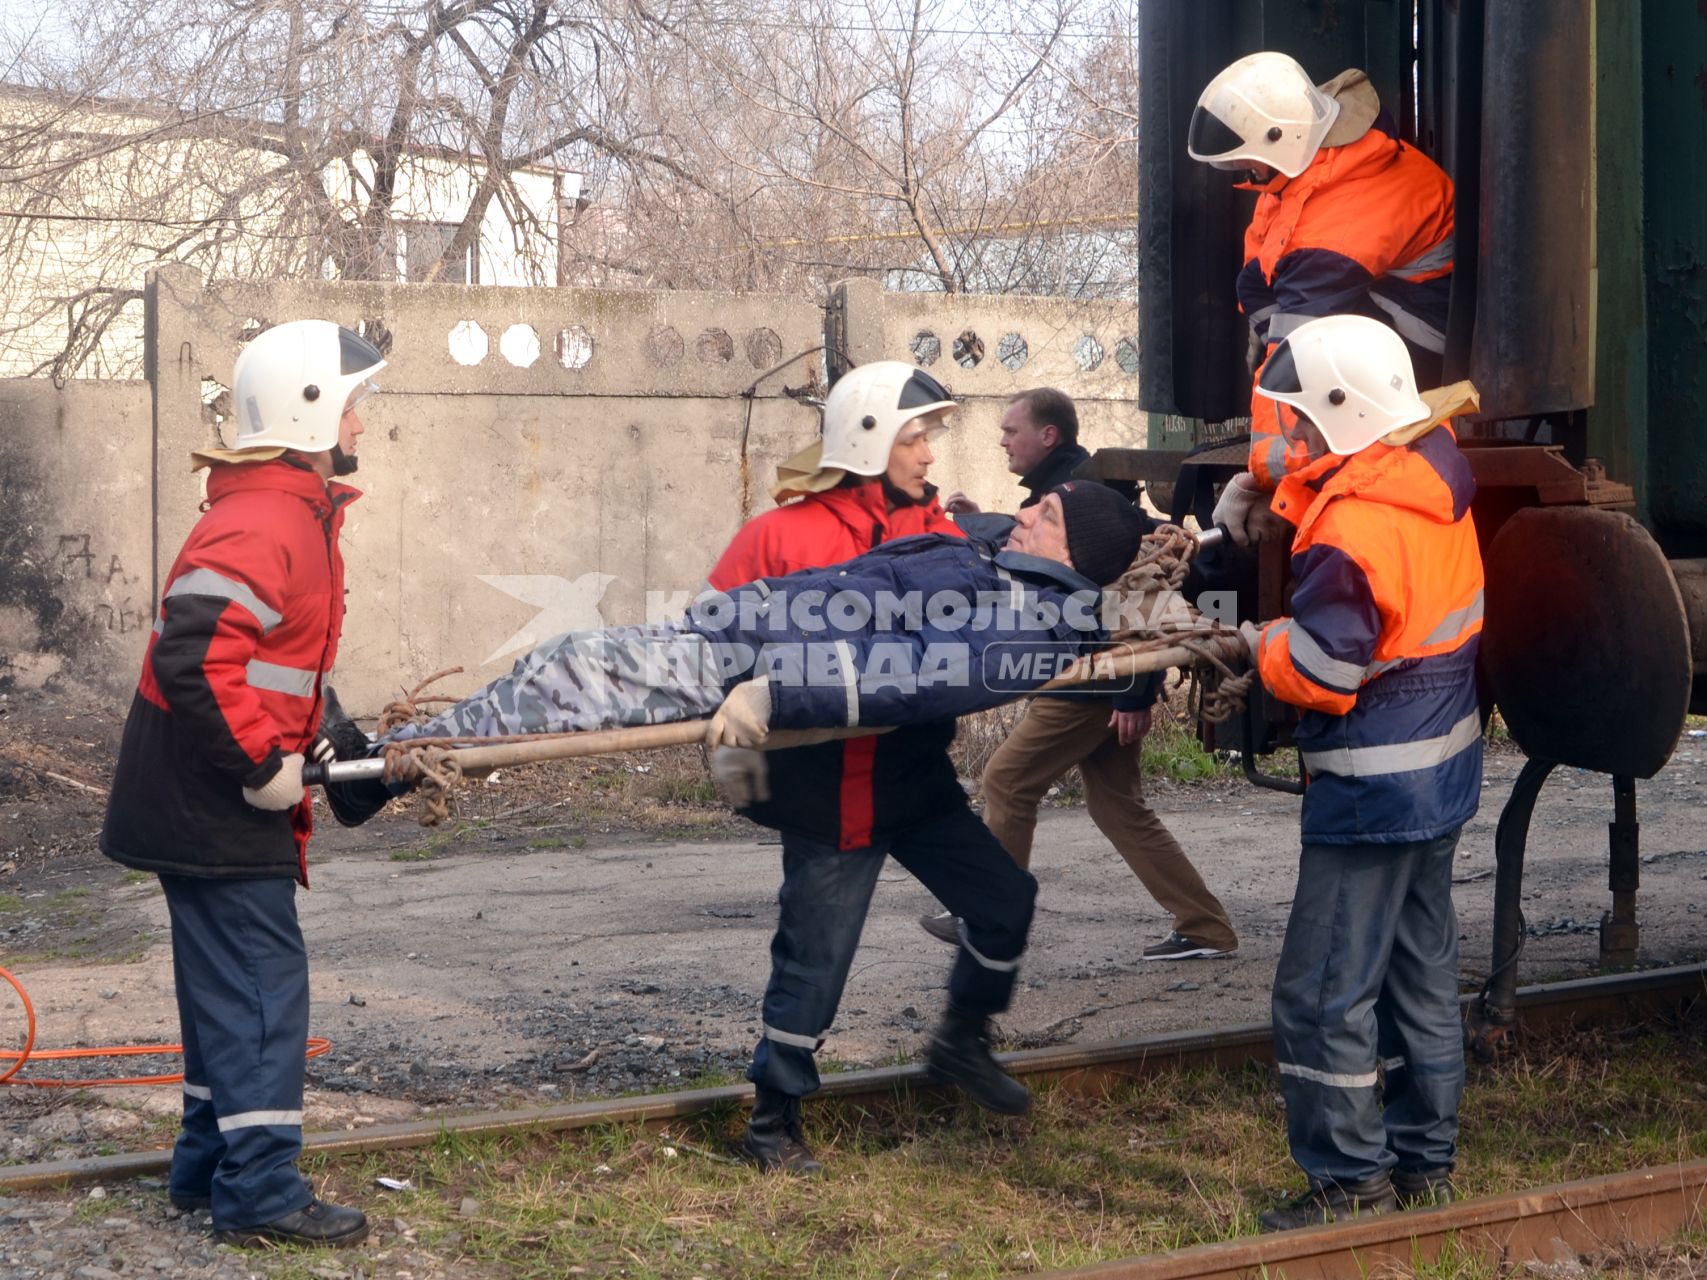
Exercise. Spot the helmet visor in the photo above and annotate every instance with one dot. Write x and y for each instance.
(1210, 137)
(928, 427)
(1279, 375)
(920, 390)
(361, 391)
(356, 354)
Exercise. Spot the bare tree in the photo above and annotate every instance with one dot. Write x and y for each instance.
(753, 144)
(281, 137)
(891, 137)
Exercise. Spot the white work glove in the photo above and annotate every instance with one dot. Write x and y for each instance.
(1251, 634)
(281, 791)
(743, 777)
(1241, 499)
(744, 718)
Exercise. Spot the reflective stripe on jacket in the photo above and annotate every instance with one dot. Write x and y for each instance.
(846, 793)
(246, 627)
(1380, 650)
(1366, 229)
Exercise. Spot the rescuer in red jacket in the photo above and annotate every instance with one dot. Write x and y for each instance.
(1349, 220)
(842, 807)
(208, 789)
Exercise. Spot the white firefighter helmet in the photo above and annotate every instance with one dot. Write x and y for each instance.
(1265, 108)
(866, 410)
(1349, 375)
(293, 381)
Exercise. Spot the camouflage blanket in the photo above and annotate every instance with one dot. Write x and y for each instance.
(613, 678)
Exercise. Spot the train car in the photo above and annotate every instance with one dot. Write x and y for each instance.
(1576, 135)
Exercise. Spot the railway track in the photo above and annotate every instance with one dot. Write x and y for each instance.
(1640, 1207)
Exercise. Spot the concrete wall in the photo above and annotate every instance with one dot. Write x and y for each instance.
(540, 459)
(76, 547)
(1087, 348)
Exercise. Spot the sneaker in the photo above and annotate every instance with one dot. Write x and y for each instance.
(1176, 946)
(186, 1203)
(1338, 1202)
(944, 927)
(1423, 1188)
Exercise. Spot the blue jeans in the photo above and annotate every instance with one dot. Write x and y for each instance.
(1368, 977)
(825, 894)
(241, 974)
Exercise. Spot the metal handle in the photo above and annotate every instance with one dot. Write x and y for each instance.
(321, 775)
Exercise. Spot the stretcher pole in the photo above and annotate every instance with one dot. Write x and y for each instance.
(478, 760)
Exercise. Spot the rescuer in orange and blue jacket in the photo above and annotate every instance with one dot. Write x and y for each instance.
(1349, 221)
(1379, 653)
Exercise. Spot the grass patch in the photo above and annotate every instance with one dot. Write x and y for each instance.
(1171, 750)
(136, 877)
(920, 1187)
(10, 903)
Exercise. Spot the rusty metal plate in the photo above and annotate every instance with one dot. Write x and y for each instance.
(1159, 465)
(1543, 469)
(1586, 646)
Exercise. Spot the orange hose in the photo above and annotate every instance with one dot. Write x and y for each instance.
(317, 1046)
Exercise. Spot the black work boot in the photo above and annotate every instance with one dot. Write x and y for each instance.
(317, 1224)
(960, 1054)
(774, 1139)
(1336, 1202)
(1420, 1188)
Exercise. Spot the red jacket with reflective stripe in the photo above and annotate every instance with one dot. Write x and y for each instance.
(1380, 650)
(1366, 229)
(247, 626)
(844, 793)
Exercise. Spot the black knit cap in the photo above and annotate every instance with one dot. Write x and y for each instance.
(1103, 529)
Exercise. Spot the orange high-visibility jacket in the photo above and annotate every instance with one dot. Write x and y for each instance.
(1366, 229)
(1380, 650)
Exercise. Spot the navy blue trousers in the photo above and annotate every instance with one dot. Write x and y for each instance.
(1368, 978)
(825, 894)
(242, 981)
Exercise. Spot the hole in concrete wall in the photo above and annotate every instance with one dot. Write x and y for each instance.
(468, 342)
(252, 328)
(520, 345)
(664, 346)
(1087, 353)
(714, 346)
(1126, 355)
(1012, 351)
(926, 347)
(968, 350)
(764, 348)
(374, 331)
(218, 414)
(574, 347)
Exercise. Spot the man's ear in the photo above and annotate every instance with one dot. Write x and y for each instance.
(1051, 435)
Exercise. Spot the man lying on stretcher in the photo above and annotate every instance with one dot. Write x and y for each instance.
(918, 629)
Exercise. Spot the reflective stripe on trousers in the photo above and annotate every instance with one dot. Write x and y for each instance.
(1368, 976)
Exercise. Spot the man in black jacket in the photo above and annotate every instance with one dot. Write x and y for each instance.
(1102, 735)
(1040, 435)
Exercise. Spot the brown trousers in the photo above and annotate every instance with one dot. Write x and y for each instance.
(1058, 733)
